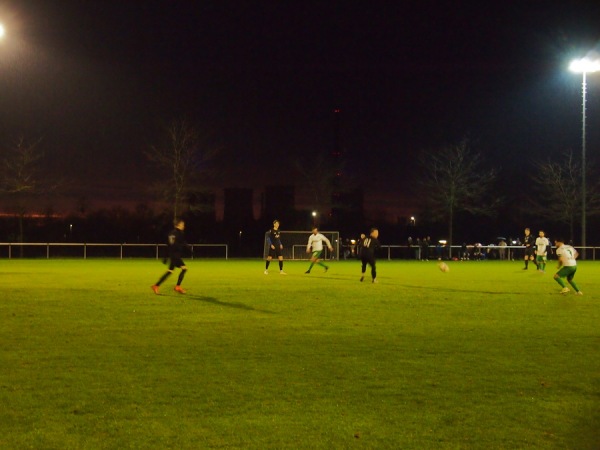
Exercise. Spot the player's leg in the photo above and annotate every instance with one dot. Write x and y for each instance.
(363, 269)
(321, 263)
(373, 269)
(280, 258)
(560, 279)
(161, 280)
(181, 265)
(267, 262)
(572, 282)
(313, 259)
(181, 275)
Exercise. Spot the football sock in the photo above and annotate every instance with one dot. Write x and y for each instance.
(526, 263)
(280, 265)
(181, 275)
(561, 282)
(267, 264)
(572, 283)
(163, 278)
(311, 266)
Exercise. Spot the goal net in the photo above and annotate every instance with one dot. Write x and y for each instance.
(294, 244)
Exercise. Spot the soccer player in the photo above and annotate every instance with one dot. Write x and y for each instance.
(369, 246)
(529, 249)
(315, 245)
(541, 251)
(275, 247)
(567, 266)
(175, 246)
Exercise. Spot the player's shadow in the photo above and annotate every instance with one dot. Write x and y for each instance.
(217, 302)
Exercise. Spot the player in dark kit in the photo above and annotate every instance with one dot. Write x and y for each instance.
(529, 243)
(369, 246)
(176, 245)
(275, 247)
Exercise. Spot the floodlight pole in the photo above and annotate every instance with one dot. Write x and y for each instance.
(584, 66)
(583, 148)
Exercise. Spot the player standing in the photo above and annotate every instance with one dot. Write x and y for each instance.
(315, 244)
(369, 246)
(541, 251)
(567, 266)
(275, 247)
(176, 244)
(529, 249)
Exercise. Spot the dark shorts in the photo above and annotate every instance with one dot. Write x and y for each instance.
(275, 253)
(529, 251)
(176, 262)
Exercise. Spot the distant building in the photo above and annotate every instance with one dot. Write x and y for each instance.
(279, 203)
(238, 208)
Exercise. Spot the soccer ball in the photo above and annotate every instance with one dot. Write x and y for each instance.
(444, 267)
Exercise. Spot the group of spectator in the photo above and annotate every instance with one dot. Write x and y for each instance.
(420, 249)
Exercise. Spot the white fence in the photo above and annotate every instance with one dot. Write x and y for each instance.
(85, 250)
(508, 252)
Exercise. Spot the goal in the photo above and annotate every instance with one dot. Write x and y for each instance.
(294, 245)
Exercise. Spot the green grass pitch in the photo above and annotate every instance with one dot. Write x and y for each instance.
(486, 356)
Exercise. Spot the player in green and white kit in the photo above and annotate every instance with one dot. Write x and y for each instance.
(567, 266)
(315, 245)
(541, 244)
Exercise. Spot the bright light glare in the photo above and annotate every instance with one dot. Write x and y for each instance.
(585, 65)
(2, 31)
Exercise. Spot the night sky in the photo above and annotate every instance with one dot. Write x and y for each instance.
(97, 79)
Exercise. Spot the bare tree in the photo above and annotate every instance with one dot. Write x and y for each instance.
(21, 176)
(453, 180)
(183, 158)
(559, 187)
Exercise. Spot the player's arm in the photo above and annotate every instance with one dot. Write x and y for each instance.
(309, 245)
(328, 243)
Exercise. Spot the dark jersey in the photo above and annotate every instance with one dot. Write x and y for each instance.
(529, 243)
(273, 238)
(176, 243)
(368, 247)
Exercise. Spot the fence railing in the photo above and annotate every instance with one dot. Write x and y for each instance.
(472, 252)
(50, 250)
(91, 250)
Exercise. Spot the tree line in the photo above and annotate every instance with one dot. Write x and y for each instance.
(454, 183)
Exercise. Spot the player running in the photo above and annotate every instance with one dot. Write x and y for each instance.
(369, 246)
(175, 246)
(315, 244)
(541, 251)
(275, 247)
(567, 266)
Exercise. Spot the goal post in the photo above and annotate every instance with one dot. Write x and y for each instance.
(294, 245)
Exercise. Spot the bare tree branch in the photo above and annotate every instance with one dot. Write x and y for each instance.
(453, 180)
(183, 158)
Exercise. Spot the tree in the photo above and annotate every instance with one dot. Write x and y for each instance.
(558, 186)
(453, 180)
(182, 159)
(21, 176)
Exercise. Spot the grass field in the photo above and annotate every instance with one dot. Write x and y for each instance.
(485, 356)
